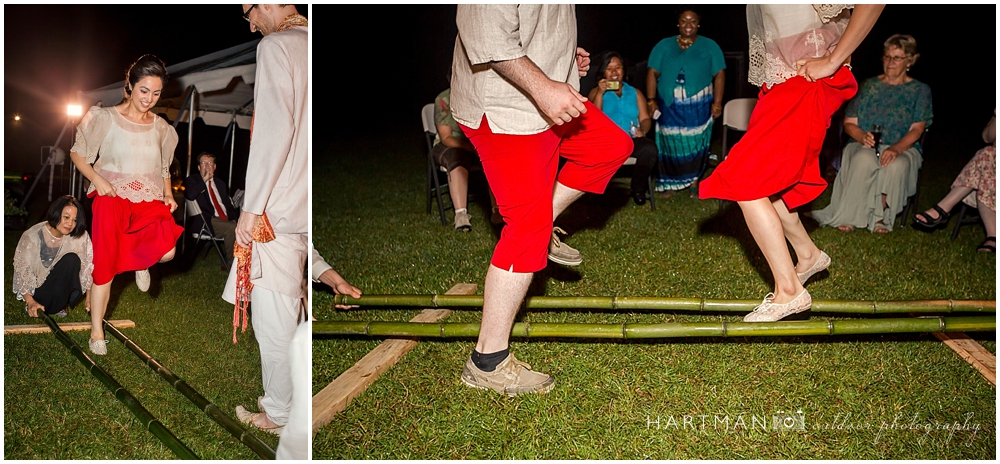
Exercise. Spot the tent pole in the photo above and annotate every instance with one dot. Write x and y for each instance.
(190, 129)
(185, 105)
(49, 163)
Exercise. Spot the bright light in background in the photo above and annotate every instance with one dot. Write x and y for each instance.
(17, 117)
(74, 110)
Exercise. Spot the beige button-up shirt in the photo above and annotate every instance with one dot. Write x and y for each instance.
(278, 166)
(546, 34)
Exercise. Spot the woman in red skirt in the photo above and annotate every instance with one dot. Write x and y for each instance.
(130, 184)
(796, 53)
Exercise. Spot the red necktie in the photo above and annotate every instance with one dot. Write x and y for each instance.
(218, 208)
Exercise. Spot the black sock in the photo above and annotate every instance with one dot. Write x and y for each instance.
(488, 362)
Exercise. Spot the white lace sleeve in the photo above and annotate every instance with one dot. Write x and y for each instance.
(91, 131)
(827, 12)
(25, 280)
(87, 264)
(167, 147)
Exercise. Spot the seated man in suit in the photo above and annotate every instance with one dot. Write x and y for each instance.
(213, 199)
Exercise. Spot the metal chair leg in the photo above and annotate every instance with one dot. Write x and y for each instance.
(437, 191)
(650, 192)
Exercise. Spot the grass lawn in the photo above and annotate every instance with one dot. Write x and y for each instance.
(55, 409)
(874, 397)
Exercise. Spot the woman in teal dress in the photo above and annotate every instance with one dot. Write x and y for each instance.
(684, 84)
(872, 186)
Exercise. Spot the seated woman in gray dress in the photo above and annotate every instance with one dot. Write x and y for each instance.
(54, 260)
(873, 183)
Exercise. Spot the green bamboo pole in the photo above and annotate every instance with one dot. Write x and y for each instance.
(637, 303)
(121, 394)
(234, 427)
(668, 330)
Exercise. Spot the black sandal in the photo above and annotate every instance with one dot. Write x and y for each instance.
(926, 222)
(984, 248)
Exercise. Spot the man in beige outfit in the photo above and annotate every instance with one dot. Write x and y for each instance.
(278, 185)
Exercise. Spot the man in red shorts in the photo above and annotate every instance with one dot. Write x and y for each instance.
(516, 75)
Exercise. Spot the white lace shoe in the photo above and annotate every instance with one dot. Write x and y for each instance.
(99, 347)
(822, 263)
(769, 311)
(142, 280)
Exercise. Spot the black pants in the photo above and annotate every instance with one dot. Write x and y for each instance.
(645, 153)
(62, 286)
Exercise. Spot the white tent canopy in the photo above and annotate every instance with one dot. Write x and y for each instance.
(223, 81)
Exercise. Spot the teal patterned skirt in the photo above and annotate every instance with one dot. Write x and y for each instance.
(683, 137)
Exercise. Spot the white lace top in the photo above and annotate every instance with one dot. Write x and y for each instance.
(782, 34)
(30, 271)
(134, 158)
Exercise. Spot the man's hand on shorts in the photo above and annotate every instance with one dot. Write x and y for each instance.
(560, 102)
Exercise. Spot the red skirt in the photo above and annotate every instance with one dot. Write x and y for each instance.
(779, 154)
(130, 236)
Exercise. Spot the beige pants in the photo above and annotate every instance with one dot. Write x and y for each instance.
(275, 319)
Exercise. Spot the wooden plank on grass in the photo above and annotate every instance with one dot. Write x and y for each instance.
(66, 326)
(338, 394)
(971, 351)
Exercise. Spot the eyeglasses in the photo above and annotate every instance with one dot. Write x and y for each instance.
(246, 14)
(207, 163)
(894, 59)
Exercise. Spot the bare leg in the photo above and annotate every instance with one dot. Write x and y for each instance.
(169, 255)
(99, 297)
(766, 227)
(989, 218)
(795, 232)
(503, 292)
(458, 186)
(949, 201)
(562, 197)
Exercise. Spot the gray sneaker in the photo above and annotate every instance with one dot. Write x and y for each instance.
(768, 311)
(462, 221)
(562, 253)
(511, 377)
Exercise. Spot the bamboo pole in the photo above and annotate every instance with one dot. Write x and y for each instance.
(234, 427)
(668, 330)
(635, 303)
(151, 423)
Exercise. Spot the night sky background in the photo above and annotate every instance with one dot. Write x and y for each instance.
(53, 51)
(375, 66)
(401, 60)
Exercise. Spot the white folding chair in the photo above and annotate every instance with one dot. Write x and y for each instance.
(434, 185)
(735, 116)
